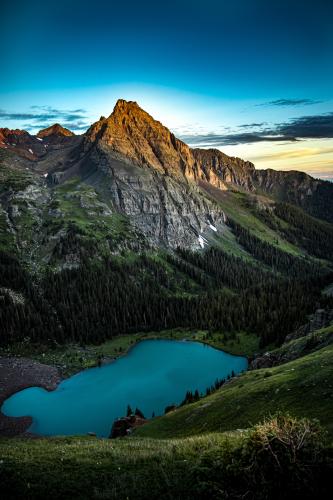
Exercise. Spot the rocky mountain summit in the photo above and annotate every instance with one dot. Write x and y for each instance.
(134, 134)
(129, 165)
(55, 129)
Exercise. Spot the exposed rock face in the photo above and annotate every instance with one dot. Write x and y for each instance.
(301, 341)
(21, 143)
(150, 176)
(320, 319)
(290, 186)
(220, 169)
(132, 133)
(124, 426)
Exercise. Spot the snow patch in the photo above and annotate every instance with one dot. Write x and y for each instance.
(39, 138)
(202, 241)
(213, 227)
(45, 175)
(30, 150)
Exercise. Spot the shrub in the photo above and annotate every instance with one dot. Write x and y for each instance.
(282, 457)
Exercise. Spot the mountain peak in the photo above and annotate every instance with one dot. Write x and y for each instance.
(123, 105)
(55, 129)
(133, 133)
(125, 112)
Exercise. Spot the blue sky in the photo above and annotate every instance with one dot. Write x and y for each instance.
(251, 77)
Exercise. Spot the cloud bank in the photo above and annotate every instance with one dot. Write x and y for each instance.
(304, 127)
(290, 102)
(44, 116)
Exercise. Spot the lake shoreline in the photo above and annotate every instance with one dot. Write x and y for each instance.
(22, 373)
(17, 374)
(72, 358)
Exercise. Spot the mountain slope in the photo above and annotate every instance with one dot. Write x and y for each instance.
(298, 387)
(313, 195)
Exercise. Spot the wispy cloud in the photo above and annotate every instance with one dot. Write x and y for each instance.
(293, 154)
(252, 125)
(44, 116)
(214, 140)
(304, 127)
(290, 102)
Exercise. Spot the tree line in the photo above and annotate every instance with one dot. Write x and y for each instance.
(110, 297)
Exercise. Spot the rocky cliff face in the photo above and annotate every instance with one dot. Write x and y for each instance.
(132, 133)
(219, 169)
(150, 176)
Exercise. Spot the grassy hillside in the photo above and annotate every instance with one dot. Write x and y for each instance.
(241, 207)
(303, 387)
(231, 465)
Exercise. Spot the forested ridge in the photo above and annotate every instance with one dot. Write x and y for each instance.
(211, 290)
(315, 236)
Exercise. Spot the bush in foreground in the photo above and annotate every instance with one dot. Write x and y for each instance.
(282, 457)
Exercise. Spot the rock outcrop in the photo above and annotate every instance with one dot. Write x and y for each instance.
(315, 196)
(305, 339)
(219, 169)
(125, 426)
(319, 319)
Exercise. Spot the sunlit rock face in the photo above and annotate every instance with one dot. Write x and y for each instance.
(153, 175)
(150, 176)
(220, 169)
(55, 129)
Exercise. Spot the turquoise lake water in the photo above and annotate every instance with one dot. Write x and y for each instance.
(153, 375)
